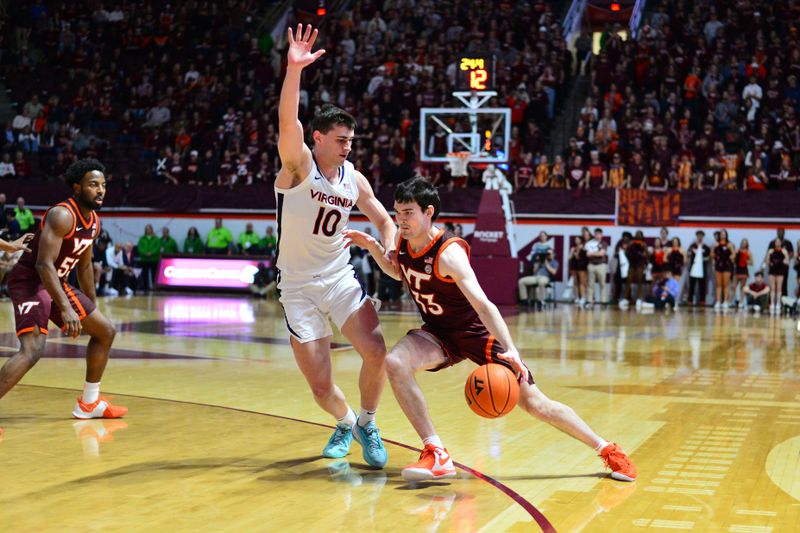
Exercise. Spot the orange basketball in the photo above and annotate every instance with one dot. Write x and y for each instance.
(492, 390)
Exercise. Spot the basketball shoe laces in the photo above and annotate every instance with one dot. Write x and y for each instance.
(338, 435)
(616, 459)
(373, 437)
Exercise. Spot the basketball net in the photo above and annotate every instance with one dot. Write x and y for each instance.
(458, 162)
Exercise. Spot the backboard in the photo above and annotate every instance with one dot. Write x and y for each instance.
(482, 131)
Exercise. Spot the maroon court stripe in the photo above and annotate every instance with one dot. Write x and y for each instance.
(540, 519)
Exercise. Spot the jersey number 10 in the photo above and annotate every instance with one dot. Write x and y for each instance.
(327, 222)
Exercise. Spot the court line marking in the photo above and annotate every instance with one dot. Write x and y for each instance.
(520, 500)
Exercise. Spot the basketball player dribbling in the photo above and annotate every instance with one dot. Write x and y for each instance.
(315, 191)
(459, 323)
(40, 293)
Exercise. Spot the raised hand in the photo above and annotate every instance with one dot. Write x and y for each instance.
(300, 54)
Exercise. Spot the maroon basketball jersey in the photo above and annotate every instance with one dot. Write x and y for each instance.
(442, 304)
(75, 243)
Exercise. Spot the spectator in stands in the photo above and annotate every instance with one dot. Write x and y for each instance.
(123, 279)
(576, 178)
(797, 269)
(148, 249)
(12, 225)
(665, 293)
(7, 167)
(2, 210)
(699, 255)
(158, 115)
(572, 271)
(597, 256)
(637, 257)
(29, 140)
(264, 281)
(168, 244)
(269, 242)
(777, 261)
(24, 216)
(193, 244)
(219, 240)
(174, 170)
(21, 167)
(722, 255)
(617, 178)
(757, 294)
(21, 121)
(248, 242)
(676, 259)
(787, 245)
(596, 174)
(543, 271)
(742, 260)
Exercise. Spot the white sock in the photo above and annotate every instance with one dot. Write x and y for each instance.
(365, 417)
(91, 392)
(433, 439)
(603, 444)
(348, 420)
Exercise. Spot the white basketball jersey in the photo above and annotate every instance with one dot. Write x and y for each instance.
(311, 218)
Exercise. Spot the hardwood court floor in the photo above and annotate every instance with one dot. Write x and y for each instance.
(222, 434)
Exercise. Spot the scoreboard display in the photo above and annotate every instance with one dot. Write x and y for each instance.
(475, 73)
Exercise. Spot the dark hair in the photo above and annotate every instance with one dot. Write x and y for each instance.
(419, 190)
(329, 116)
(598, 230)
(80, 168)
(759, 273)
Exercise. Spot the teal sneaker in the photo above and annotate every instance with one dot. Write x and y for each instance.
(370, 440)
(339, 444)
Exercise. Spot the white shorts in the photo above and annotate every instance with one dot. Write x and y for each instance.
(310, 304)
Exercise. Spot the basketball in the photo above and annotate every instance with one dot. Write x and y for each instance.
(492, 390)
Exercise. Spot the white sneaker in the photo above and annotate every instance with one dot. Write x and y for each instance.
(717, 306)
(725, 305)
(757, 309)
(639, 304)
(128, 291)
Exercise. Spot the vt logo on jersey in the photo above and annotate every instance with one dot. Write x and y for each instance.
(81, 245)
(25, 307)
(424, 301)
(338, 201)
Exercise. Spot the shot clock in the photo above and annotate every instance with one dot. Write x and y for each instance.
(475, 73)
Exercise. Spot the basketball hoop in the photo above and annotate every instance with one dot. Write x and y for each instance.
(458, 163)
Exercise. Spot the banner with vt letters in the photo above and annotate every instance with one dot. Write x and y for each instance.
(648, 208)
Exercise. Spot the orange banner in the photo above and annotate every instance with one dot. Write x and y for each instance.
(647, 208)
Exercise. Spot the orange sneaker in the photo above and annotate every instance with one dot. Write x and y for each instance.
(434, 463)
(622, 469)
(102, 408)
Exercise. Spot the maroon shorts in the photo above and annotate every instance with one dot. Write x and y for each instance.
(477, 346)
(33, 305)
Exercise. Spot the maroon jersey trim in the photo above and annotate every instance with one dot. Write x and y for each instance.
(23, 331)
(417, 255)
(445, 244)
(489, 345)
(71, 295)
